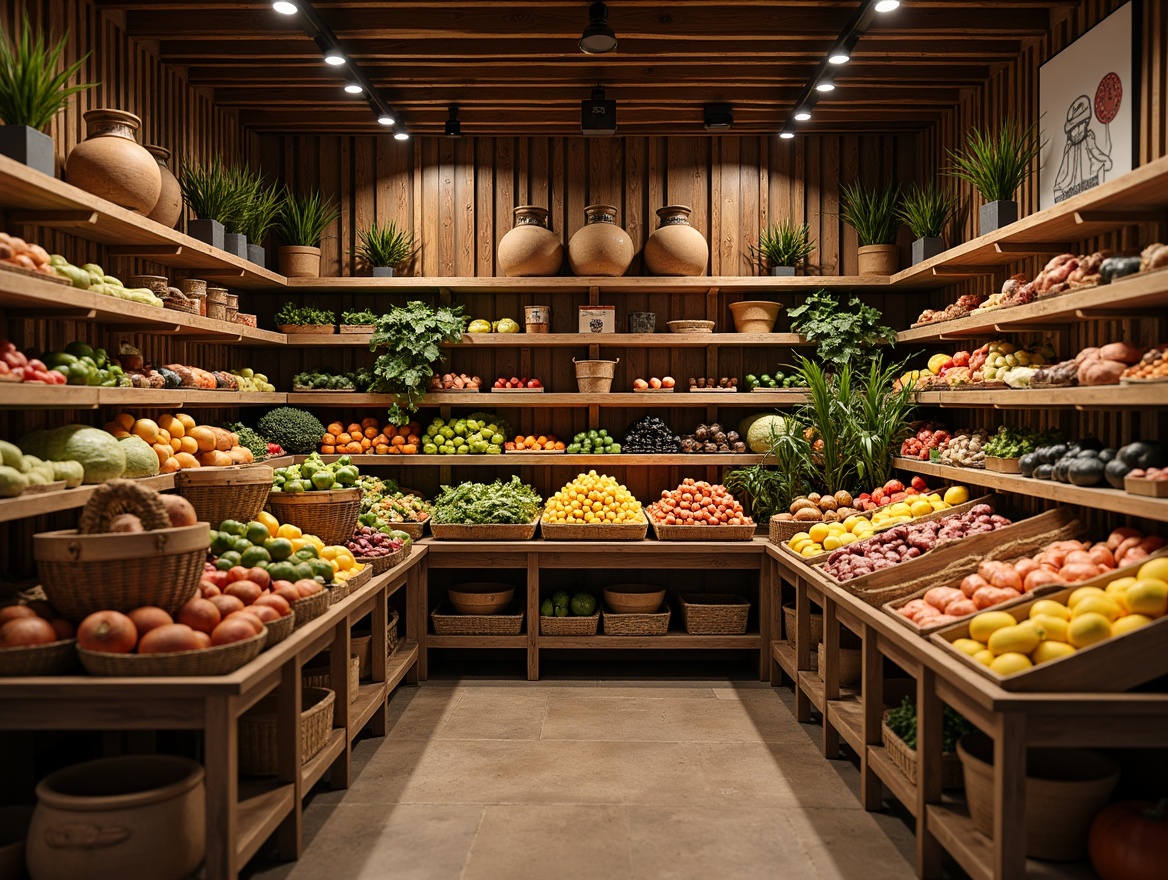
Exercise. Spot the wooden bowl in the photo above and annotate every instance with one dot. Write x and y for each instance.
(633, 599)
(690, 326)
(480, 598)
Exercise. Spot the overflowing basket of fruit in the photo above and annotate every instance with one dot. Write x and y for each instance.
(699, 511)
(594, 507)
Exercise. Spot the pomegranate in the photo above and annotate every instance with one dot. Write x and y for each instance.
(109, 632)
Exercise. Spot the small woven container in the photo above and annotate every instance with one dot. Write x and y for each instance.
(258, 746)
(656, 624)
(851, 668)
(360, 579)
(219, 660)
(310, 608)
(413, 529)
(570, 625)
(232, 302)
(318, 676)
(782, 531)
(702, 533)
(906, 759)
(714, 614)
(392, 639)
(791, 624)
(217, 303)
(338, 590)
(489, 532)
(595, 531)
(182, 303)
(381, 564)
(447, 622)
(357, 328)
(362, 646)
(82, 574)
(331, 516)
(226, 493)
(280, 629)
(51, 659)
(690, 326)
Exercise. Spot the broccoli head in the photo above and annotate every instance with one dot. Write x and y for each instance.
(250, 439)
(297, 431)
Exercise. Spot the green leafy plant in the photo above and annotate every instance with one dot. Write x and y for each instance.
(245, 187)
(353, 318)
(926, 210)
(881, 416)
(300, 316)
(842, 333)
(210, 191)
(784, 244)
(32, 87)
(871, 212)
(903, 722)
(304, 218)
(385, 245)
(411, 338)
(510, 503)
(996, 164)
(263, 212)
(771, 485)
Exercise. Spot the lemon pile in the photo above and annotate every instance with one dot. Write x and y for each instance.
(1055, 630)
(824, 537)
(593, 498)
(903, 511)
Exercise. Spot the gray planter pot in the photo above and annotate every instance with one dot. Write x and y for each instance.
(783, 271)
(995, 215)
(29, 147)
(235, 243)
(256, 254)
(208, 231)
(926, 248)
(383, 271)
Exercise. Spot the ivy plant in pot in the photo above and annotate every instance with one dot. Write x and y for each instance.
(996, 165)
(33, 90)
(408, 342)
(385, 248)
(208, 191)
(261, 217)
(302, 223)
(305, 319)
(926, 211)
(873, 214)
(784, 246)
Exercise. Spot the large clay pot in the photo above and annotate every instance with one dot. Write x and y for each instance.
(112, 165)
(530, 248)
(169, 206)
(675, 247)
(879, 259)
(137, 816)
(299, 261)
(600, 247)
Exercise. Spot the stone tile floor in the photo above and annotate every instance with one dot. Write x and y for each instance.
(595, 780)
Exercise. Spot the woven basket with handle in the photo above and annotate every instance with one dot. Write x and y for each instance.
(331, 516)
(225, 493)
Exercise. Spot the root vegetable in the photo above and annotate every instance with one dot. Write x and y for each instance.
(25, 631)
(170, 639)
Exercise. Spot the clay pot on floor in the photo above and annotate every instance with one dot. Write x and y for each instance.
(169, 206)
(675, 247)
(530, 248)
(879, 259)
(600, 247)
(111, 164)
(299, 261)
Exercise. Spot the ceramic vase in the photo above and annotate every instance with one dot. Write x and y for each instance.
(530, 248)
(675, 247)
(168, 209)
(299, 261)
(112, 165)
(879, 259)
(600, 246)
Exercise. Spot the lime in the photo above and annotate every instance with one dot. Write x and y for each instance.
(253, 556)
(222, 564)
(308, 551)
(303, 572)
(257, 533)
(232, 527)
(239, 545)
(321, 568)
(282, 571)
(278, 548)
(220, 542)
(231, 557)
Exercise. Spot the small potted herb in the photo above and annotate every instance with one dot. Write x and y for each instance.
(244, 186)
(873, 214)
(305, 319)
(384, 248)
(926, 211)
(261, 217)
(32, 91)
(996, 165)
(784, 246)
(408, 341)
(358, 322)
(208, 191)
(303, 220)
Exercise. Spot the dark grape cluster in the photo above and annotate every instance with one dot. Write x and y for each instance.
(650, 434)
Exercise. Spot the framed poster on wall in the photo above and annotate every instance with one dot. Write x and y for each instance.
(1088, 110)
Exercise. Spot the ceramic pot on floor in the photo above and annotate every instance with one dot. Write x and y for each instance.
(112, 165)
(530, 248)
(675, 247)
(600, 246)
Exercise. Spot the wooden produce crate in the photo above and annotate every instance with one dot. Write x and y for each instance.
(1003, 465)
(1150, 488)
(594, 531)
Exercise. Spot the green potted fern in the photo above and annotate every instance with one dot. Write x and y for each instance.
(261, 217)
(783, 246)
(873, 214)
(303, 220)
(208, 191)
(996, 165)
(32, 91)
(926, 210)
(385, 248)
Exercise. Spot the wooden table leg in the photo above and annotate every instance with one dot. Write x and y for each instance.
(533, 617)
(289, 836)
(829, 672)
(380, 648)
(766, 621)
(221, 765)
(1010, 796)
(802, 649)
(416, 629)
(930, 719)
(339, 773)
(872, 700)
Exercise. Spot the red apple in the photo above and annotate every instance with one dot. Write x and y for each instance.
(894, 486)
(918, 483)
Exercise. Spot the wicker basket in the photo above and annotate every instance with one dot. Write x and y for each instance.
(219, 660)
(413, 529)
(331, 516)
(51, 659)
(82, 574)
(362, 646)
(702, 533)
(381, 564)
(851, 666)
(310, 608)
(225, 493)
(569, 626)
(791, 624)
(258, 737)
(656, 624)
(392, 639)
(338, 590)
(447, 622)
(906, 759)
(714, 614)
(595, 531)
(595, 376)
(782, 531)
(280, 629)
(492, 532)
(318, 675)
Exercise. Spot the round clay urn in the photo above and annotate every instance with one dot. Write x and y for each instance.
(169, 206)
(675, 247)
(600, 247)
(530, 247)
(112, 165)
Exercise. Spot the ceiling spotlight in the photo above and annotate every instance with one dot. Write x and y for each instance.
(718, 117)
(598, 37)
(786, 134)
(284, 7)
(332, 55)
(386, 119)
(353, 88)
(825, 86)
(802, 115)
(597, 116)
(453, 126)
(887, 5)
(400, 136)
(840, 55)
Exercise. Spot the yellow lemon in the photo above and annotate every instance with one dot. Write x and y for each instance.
(1129, 622)
(811, 550)
(818, 532)
(1051, 628)
(920, 508)
(1017, 639)
(1008, 664)
(1049, 608)
(1082, 593)
(968, 646)
(799, 536)
(985, 658)
(831, 542)
(1148, 596)
(270, 521)
(1048, 651)
(1155, 568)
(900, 509)
(1102, 604)
(287, 530)
(799, 545)
(933, 498)
(987, 623)
(1119, 585)
(848, 539)
(956, 495)
(1087, 629)
(850, 522)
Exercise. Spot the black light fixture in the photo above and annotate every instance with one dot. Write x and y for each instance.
(803, 111)
(330, 50)
(717, 117)
(453, 126)
(841, 53)
(597, 116)
(598, 37)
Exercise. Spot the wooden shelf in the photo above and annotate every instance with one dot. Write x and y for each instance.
(812, 685)
(749, 641)
(577, 340)
(1094, 397)
(565, 460)
(895, 781)
(784, 653)
(36, 396)
(262, 807)
(1113, 500)
(436, 641)
(26, 506)
(318, 764)
(370, 698)
(400, 663)
(846, 715)
(487, 401)
(582, 285)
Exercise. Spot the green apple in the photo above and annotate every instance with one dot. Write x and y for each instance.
(506, 325)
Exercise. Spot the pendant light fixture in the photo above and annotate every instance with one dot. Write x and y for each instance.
(453, 126)
(598, 37)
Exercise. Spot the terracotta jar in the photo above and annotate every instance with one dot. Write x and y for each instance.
(112, 165)
(530, 247)
(675, 247)
(879, 259)
(169, 206)
(299, 261)
(600, 247)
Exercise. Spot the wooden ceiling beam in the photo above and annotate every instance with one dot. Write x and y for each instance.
(327, 6)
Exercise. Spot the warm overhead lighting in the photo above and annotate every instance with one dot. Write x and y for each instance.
(400, 136)
(825, 86)
(786, 134)
(802, 115)
(332, 55)
(284, 7)
(887, 5)
(839, 55)
(386, 119)
(353, 88)
(598, 37)
(453, 126)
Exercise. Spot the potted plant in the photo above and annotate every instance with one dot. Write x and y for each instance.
(32, 92)
(926, 211)
(305, 319)
(358, 322)
(784, 246)
(410, 339)
(996, 165)
(303, 220)
(384, 248)
(873, 214)
(261, 217)
(245, 187)
(208, 192)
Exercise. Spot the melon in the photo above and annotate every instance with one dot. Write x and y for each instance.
(10, 455)
(70, 471)
(100, 454)
(758, 435)
(141, 459)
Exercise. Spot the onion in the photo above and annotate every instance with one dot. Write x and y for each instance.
(109, 632)
(169, 639)
(22, 631)
(149, 617)
(15, 612)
